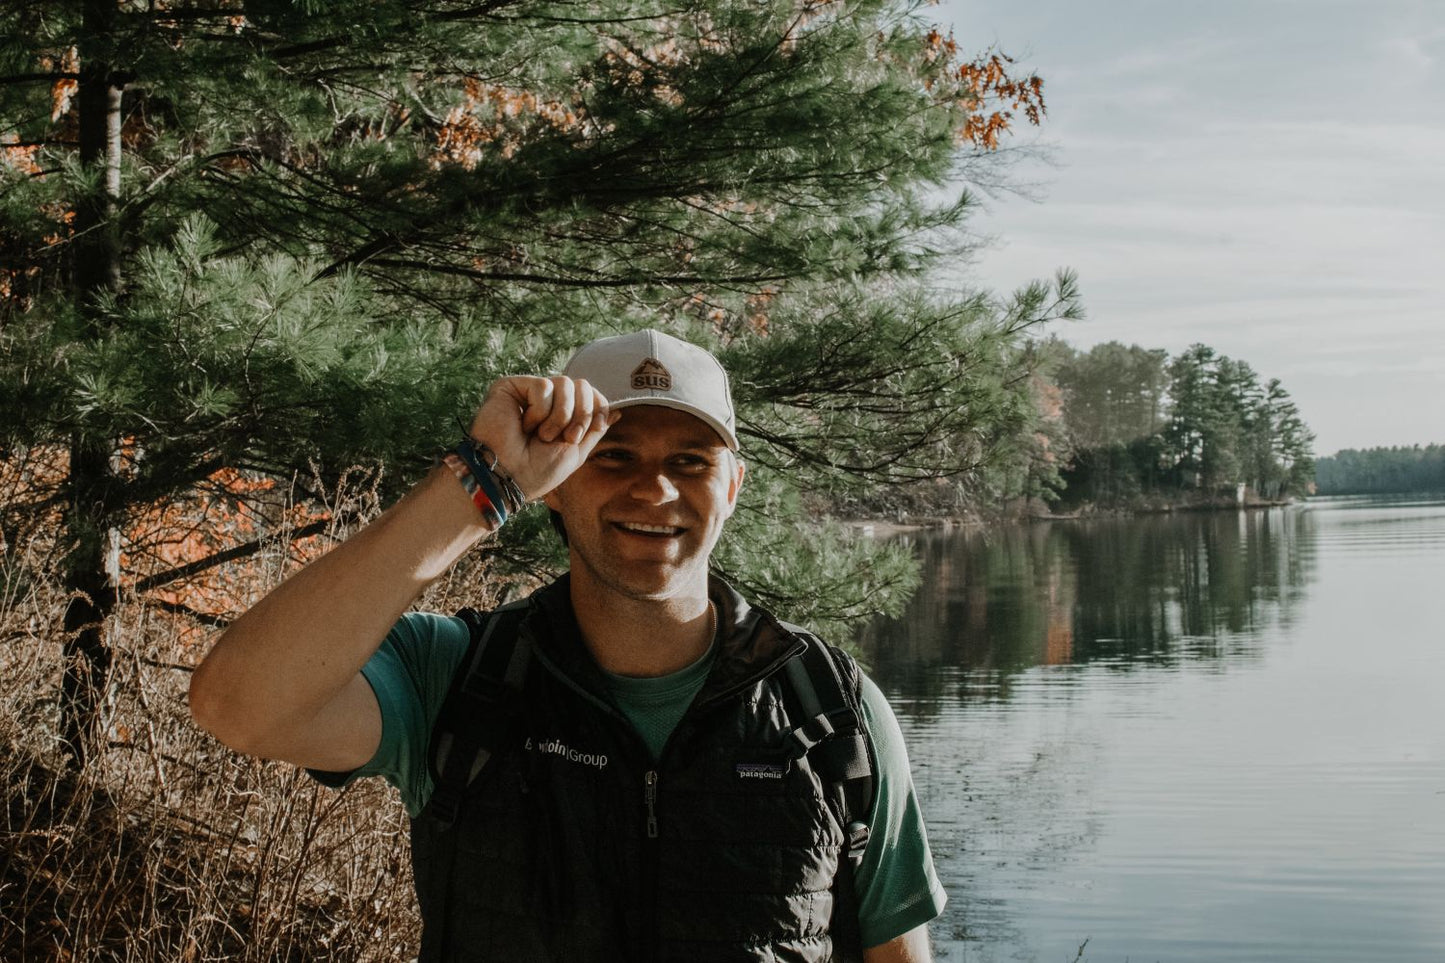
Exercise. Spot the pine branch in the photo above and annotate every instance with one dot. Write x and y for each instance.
(229, 555)
(174, 13)
(340, 41)
(215, 621)
(562, 281)
(13, 80)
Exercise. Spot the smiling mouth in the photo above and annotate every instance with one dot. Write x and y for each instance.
(659, 531)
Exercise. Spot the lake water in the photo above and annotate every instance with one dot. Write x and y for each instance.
(1198, 738)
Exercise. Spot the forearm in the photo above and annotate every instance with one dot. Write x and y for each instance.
(284, 680)
(911, 947)
(279, 665)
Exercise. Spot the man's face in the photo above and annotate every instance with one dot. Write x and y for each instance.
(644, 511)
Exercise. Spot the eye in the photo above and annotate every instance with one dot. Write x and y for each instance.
(611, 455)
(692, 463)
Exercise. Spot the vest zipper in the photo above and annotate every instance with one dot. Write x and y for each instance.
(649, 796)
(650, 943)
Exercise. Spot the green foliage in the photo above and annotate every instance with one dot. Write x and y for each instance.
(1141, 425)
(840, 581)
(1381, 470)
(1226, 429)
(337, 223)
(851, 386)
(1114, 394)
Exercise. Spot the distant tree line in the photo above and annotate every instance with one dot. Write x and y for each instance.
(1402, 469)
(1133, 423)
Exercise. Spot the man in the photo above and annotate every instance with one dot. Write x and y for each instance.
(634, 803)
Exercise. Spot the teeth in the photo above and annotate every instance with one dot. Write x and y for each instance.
(650, 529)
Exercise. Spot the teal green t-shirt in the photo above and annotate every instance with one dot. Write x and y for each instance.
(410, 673)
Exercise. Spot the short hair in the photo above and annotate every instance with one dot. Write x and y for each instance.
(558, 526)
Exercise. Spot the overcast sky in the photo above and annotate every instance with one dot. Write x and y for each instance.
(1263, 176)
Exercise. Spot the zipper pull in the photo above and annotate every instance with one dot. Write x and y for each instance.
(649, 796)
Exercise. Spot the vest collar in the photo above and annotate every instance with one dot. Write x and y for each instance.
(751, 645)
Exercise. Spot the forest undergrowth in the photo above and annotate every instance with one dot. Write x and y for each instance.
(167, 846)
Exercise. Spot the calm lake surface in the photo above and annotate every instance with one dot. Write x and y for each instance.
(1199, 738)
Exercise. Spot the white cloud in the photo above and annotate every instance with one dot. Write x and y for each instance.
(1408, 53)
(1264, 177)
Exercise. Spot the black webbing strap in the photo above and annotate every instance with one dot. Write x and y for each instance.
(832, 734)
(480, 708)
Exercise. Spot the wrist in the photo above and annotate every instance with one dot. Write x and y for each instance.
(488, 485)
(482, 500)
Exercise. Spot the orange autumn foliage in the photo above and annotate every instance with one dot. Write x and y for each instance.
(63, 91)
(986, 89)
(229, 509)
(496, 117)
(493, 117)
(987, 79)
(19, 156)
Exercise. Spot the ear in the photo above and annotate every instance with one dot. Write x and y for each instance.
(735, 484)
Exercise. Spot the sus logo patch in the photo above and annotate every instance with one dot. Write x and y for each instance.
(651, 376)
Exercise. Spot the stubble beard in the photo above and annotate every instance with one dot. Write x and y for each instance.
(640, 581)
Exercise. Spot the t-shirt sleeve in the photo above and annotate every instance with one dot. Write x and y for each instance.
(898, 887)
(410, 674)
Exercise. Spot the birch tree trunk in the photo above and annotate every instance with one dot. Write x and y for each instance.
(91, 564)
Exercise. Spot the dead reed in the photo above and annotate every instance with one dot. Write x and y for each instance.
(167, 846)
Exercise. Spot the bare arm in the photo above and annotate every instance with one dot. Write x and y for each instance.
(911, 947)
(283, 681)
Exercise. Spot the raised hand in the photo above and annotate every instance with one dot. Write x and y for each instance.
(541, 429)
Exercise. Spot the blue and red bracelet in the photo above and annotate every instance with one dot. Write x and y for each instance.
(490, 487)
(495, 516)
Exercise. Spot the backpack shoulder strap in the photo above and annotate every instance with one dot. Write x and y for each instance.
(483, 701)
(832, 734)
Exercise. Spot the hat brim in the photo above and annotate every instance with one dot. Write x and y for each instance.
(726, 434)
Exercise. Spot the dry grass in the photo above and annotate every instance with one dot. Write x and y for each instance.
(167, 846)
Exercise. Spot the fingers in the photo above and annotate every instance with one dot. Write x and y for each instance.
(601, 421)
(564, 403)
(542, 429)
(534, 396)
(560, 409)
(584, 407)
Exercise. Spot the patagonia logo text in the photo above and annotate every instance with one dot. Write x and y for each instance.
(761, 770)
(554, 747)
(651, 376)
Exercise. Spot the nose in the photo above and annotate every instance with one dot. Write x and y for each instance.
(652, 486)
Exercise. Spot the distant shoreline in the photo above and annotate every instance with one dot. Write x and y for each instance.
(887, 527)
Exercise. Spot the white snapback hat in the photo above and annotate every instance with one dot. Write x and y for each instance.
(652, 368)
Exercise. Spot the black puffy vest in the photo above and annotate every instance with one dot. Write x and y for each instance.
(574, 846)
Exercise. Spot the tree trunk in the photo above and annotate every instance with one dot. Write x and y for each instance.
(92, 591)
(93, 505)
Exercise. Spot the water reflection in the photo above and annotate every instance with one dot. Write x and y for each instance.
(1202, 738)
(1135, 592)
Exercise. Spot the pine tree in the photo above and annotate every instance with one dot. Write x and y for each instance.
(1203, 418)
(1226, 429)
(246, 239)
